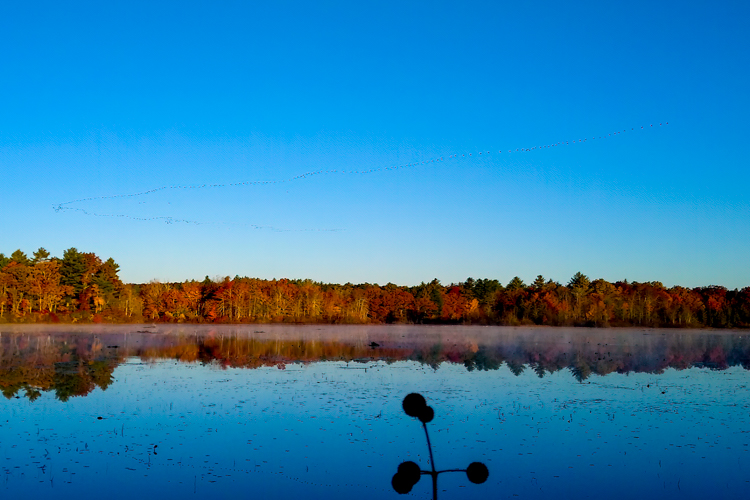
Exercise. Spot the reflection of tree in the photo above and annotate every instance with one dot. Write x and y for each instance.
(580, 370)
(39, 364)
(516, 368)
(431, 356)
(538, 369)
(71, 379)
(75, 364)
(484, 360)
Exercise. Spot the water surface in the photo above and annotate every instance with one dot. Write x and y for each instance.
(282, 411)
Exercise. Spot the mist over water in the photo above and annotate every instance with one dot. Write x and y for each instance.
(275, 411)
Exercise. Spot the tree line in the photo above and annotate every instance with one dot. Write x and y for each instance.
(81, 287)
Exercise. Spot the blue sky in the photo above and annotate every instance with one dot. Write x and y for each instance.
(117, 98)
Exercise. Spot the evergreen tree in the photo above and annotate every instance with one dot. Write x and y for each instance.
(579, 281)
(106, 277)
(19, 257)
(435, 296)
(516, 284)
(579, 285)
(72, 269)
(484, 289)
(467, 288)
(539, 282)
(40, 255)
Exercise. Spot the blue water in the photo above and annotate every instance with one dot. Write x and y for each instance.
(334, 429)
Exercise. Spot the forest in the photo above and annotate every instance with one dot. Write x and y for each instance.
(80, 287)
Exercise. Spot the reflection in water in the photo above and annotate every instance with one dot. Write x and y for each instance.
(320, 414)
(74, 364)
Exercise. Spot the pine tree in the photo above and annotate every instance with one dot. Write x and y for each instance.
(72, 270)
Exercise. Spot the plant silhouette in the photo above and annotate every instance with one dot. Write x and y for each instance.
(409, 473)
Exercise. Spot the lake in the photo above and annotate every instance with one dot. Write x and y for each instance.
(278, 411)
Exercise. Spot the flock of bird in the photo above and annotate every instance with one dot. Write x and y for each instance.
(173, 220)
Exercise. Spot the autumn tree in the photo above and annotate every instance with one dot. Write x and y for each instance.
(455, 305)
(18, 283)
(5, 284)
(191, 290)
(44, 284)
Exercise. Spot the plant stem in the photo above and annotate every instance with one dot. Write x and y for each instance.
(432, 463)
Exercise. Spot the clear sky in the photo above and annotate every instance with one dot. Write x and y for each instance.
(107, 98)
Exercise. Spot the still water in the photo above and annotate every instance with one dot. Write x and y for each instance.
(272, 411)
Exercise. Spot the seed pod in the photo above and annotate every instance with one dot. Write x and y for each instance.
(414, 404)
(477, 472)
